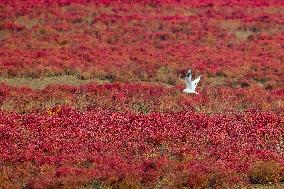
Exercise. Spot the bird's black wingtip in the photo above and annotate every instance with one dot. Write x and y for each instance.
(188, 73)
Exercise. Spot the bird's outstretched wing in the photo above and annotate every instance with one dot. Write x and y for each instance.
(195, 82)
(188, 73)
(188, 81)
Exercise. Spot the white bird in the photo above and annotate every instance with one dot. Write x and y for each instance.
(190, 85)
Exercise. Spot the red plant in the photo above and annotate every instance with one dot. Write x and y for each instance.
(138, 130)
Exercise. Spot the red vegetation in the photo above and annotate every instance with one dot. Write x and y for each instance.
(138, 130)
(141, 98)
(137, 41)
(102, 145)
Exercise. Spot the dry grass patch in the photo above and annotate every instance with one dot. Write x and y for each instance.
(265, 173)
(42, 82)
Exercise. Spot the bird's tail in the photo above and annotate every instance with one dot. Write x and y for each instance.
(196, 92)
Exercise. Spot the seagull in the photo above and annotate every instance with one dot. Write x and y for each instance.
(190, 85)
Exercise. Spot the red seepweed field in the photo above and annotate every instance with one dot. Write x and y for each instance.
(91, 94)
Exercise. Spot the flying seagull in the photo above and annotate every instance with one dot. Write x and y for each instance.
(190, 85)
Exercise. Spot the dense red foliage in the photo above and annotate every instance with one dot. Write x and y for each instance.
(125, 145)
(139, 130)
(143, 41)
(142, 98)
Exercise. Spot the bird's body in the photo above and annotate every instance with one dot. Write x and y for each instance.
(190, 85)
